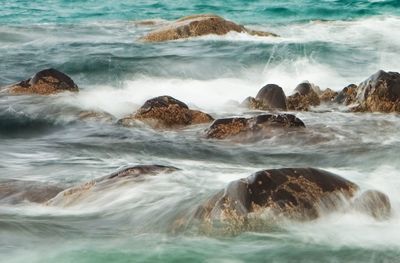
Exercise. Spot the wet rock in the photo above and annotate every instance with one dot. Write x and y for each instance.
(374, 203)
(328, 95)
(380, 93)
(94, 189)
(16, 191)
(166, 112)
(270, 97)
(45, 82)
(305, 96)
(290, 193)
(347, 96)
(254, 127)
(96, 116)
(198, 25)
(296, 193)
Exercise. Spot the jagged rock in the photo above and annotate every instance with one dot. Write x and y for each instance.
(380, 93)
(328, 95)
(305, 95)
(45, 82)
(76, 194)
(254, 127)
(293, 193)
(166, 112)
(16, 191)
(347, 96)
(198, 25)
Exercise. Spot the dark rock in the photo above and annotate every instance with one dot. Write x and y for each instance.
(304, 97)
(380, 93)
(271, 97)
(16, 191)
(253, 127)
(166, 112)
(347, 96)
(45, 82)
(198, 25)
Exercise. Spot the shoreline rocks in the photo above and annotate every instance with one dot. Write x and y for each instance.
(253, 127)
(198, 25)
(45, 82)
(305, 96)
(166, 112)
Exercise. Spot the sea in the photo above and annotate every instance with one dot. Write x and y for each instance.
(331, 43)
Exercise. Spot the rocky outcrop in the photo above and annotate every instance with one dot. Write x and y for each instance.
(347, 95)
(93, 189)
(45, 82)
(16, 191)
(255, 127)
(293, 193)
(380, 93)
(198, 25)
(305, 96)
(166, 112)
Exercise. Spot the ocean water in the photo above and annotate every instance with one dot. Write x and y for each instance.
(330, 43)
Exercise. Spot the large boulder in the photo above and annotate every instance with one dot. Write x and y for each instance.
(305, 96)
(17, 191)
(380, 93)
(45, 82)
(166, 112)
(255, 127)
(95, 188)
(293, 193)
(270, 97)
(198, 25)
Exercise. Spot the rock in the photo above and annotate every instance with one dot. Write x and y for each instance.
(374, 203)
(347, 96)
(292, 193)
(166, 112)
(254, 127)
(16, 191)
(271, 97)
(94, 189)
(305, 95)
(380, 93)
(45, 82)
(198, 25)
(296, 193)
(96, 116)
(328, 95)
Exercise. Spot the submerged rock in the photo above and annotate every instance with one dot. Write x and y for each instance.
(119, 178)
(96, 116)
(198, 25)
(293, 193)
(253, 127)
(16, 191)
(166, 112)
(380, 93)
(305, 96)
(45, 82)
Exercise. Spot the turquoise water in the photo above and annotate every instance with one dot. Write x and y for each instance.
(330, 43)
